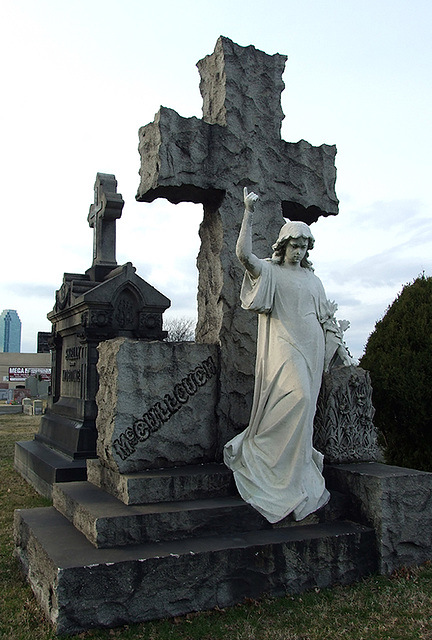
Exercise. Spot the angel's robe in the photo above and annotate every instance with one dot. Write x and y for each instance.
(275, 466)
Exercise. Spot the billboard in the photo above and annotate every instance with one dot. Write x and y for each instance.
(20, 374)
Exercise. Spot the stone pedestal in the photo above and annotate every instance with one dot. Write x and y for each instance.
(93, 561)
(396, 502)
(159, 518)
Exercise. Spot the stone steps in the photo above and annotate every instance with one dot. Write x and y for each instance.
(82, 587)
(42, 466)
(195, 500)
(189, 482)
(108, 522)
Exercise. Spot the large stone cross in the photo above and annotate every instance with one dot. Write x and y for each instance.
(209, 161)
(107, 208)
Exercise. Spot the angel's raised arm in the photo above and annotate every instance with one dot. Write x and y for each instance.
(244, 242)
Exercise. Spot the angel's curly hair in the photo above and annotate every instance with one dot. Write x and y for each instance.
(293, 231)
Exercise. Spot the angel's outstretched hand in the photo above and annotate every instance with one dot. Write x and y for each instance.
(249, 199)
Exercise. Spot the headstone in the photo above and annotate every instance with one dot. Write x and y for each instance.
(152, 397)
(209, 161)
(31, 384)
(37, 407)
(20, 394)
(27, 406)
(38, 388)
(105, 302)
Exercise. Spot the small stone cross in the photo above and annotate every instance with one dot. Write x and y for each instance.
(107, 208)
(236, 144)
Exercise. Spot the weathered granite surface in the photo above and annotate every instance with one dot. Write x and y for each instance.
(236, 144)
(396, 502)
(81, 587)
(188, 482)
(106, 522)
(343, 429)
(156, 404)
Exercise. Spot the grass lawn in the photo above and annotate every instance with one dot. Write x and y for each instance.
(379, 608)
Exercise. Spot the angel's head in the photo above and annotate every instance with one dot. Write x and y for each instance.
(293, 244)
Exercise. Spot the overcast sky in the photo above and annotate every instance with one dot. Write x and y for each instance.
(79, 78)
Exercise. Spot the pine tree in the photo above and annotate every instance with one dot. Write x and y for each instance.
(399, 357)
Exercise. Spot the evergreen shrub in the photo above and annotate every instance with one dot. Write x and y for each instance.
(398, 355)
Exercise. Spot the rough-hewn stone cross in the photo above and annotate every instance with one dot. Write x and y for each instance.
(236, 144)
(107, 208)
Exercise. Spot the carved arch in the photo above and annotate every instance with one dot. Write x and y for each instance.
(126, 307)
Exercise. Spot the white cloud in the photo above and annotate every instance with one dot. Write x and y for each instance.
(365, 257)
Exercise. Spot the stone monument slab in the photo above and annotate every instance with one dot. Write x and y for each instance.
(37, 407)
(107, 301)
(38, 388)
(156, 404)
(171, 484)
(81, 587)
(27, 406)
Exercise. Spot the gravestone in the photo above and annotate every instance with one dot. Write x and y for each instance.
(106, 301)
(32, 385)
(236, 144)
(38, 388)
(27, 406)
(152, 398)
(158, 529)
(19, 394)
(37, 407)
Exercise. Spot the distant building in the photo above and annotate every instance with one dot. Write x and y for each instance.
(16, 368)
(10, 332)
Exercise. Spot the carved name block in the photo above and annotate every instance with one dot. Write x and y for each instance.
(156, 404)
(73, 363)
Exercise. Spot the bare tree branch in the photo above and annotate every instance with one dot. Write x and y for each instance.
(180, 329)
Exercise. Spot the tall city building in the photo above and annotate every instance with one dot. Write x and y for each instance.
(10, 331)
